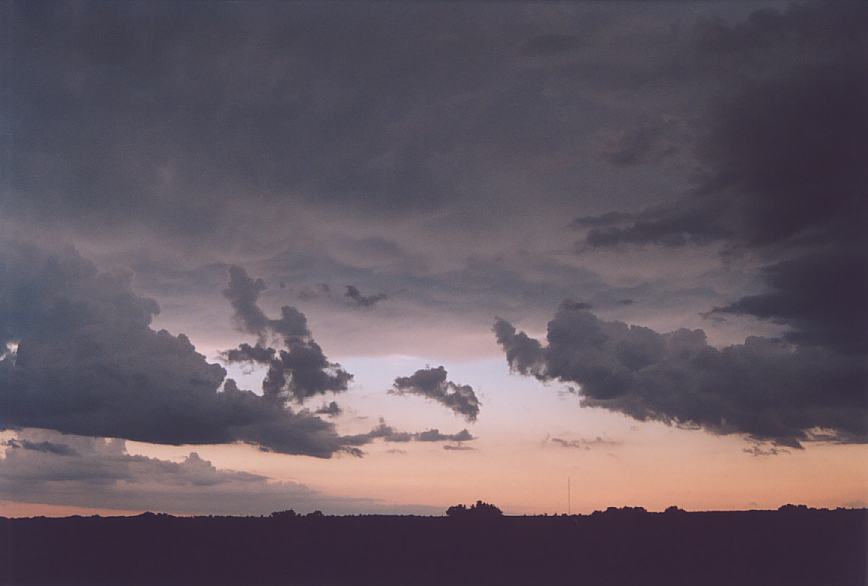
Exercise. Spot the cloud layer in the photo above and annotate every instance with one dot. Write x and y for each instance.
(50, 468)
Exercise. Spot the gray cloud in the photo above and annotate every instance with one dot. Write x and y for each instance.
(431, 101)
(758, 450)
(432, 383)
(359, 300)
(584, 443)
(764, 388)
(86, 361)
(821, 297)
(409, 158)
(41, 446)
(299, 371)
(781, 152)
(331, 409)
(391, 435)
(95, 472)
(647, 143)
(243, 294)
(782, 176)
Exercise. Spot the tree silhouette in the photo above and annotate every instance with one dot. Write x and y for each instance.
(480, 510)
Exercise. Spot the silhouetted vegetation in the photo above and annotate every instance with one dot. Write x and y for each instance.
(480, 510)
(794, 546)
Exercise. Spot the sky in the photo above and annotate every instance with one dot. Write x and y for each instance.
(388, 257)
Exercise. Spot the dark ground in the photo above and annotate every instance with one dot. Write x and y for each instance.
(768, 548)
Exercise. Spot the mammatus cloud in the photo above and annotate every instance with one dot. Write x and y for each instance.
(432, 383)
(82, 358)
(764, 388)
(50, 468)
(359, 300)
(297, 371)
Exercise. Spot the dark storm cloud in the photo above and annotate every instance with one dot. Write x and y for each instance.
(83, 359)
(432, 383)
(95, 472)
(823, 298)
(784, 166)
(167, 112)
(783, 150)
(648, 143)
(783, 173)
(553, 44)
(299, 371)
(763, 388)
(359, 300)
(268, 98)
(601, 220)
(43, 446)
(362, 139)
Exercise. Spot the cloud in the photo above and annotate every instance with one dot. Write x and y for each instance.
(821, 297)
(320, 290)
(584, 443)
(420, 178)
(41, 446)
(331, 409)
(780, 152)
(764, 388)
(458, 113)
(95, 472)
(299, 371)
(354, 295)
(647, 143)
(757, 449)
(86, 361)
(243, 294)
(782, 178)
(391, 435)
(432, 383)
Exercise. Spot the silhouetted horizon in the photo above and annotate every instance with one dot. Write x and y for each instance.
(291, 513)
(627, 546)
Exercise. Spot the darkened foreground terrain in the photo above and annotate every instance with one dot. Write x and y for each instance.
(816, 547)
